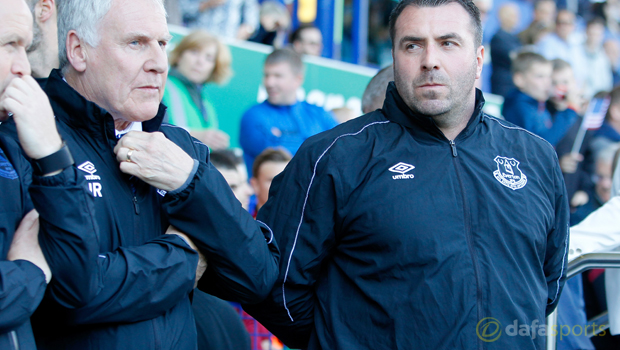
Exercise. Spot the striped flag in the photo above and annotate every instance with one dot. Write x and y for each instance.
(595, 114)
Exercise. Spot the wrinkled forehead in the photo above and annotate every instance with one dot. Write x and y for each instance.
(419, 21)
(136, 16)
(15, 22)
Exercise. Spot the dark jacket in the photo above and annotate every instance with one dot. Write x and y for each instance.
(137, 293)
(503, 44)
(22, 283)
(394, 237)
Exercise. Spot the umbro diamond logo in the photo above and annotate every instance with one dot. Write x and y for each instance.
(402, 169)
(89, 167)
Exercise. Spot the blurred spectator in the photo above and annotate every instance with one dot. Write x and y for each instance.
(218, 324)
(43, 50)
(374, 95)
(597, 68)
(609, 132)
(344, 114)
(231, 166)
(503, 46)
(225, 18)
(484, 7)
(281, 120)
(544, 16)
(525, 106)
(307, 40)
(599, 231)
(612, 49)
(173, 11)
(563, 43)
(274, 23)
(267, 165)
(200, 58)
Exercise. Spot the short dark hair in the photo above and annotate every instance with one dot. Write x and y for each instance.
(225, 159)
(525, 60)
(276, 155)
(296, 35)
(560, 64)
(288, 56)
(468, 5)
(596, 20)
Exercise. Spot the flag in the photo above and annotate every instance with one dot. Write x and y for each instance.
(595, 114)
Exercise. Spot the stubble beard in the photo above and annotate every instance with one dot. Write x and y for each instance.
(445, 110)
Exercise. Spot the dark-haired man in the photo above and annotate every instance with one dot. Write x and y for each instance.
(426, 224)
(307, 40)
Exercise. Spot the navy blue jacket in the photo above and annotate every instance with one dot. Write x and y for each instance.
(22, 283)
(394, 237)
(137, 295)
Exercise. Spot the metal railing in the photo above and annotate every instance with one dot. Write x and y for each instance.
(604, 260)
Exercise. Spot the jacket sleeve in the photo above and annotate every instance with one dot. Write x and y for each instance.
(556, 257)
(22, 285)
(241, 253)
(140, 283)
(68, 235)
(302, 210)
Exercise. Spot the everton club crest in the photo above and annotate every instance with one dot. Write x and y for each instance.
(509, 174)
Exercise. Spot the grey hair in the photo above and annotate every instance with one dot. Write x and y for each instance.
(83, 16)
(375, 90)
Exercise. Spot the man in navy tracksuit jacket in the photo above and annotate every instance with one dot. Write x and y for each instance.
(24, 270)
(154, 180)
(399, 230)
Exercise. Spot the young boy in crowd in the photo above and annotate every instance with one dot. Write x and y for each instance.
(525, 106)
(267, 165)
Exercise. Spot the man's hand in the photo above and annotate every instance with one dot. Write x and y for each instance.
(154, 159)
(209, 4)
(25, 245)
(33, 117)
(202, 261)
(569, 162)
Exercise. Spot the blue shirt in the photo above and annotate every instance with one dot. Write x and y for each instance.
(532, 115)
(266, 125)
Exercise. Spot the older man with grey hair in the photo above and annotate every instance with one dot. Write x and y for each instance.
(160, 207)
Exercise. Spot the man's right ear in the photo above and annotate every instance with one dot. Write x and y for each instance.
(76, 51)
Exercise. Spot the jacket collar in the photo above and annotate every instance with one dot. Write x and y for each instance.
(396, 110)
(76, 111)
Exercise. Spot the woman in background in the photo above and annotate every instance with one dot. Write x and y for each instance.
(200, 58)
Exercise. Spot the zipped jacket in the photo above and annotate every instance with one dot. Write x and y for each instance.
(394, 237)
(137, 295)
(23, 284)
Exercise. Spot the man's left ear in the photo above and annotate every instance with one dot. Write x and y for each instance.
(44, 10)
(479, 61)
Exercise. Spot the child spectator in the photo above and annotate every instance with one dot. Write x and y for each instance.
(267, 165)
(609, 132)
(231, 166)
(525, 106)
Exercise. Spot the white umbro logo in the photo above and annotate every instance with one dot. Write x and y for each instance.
(93, 187)
(89, 167)
(402, 169)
